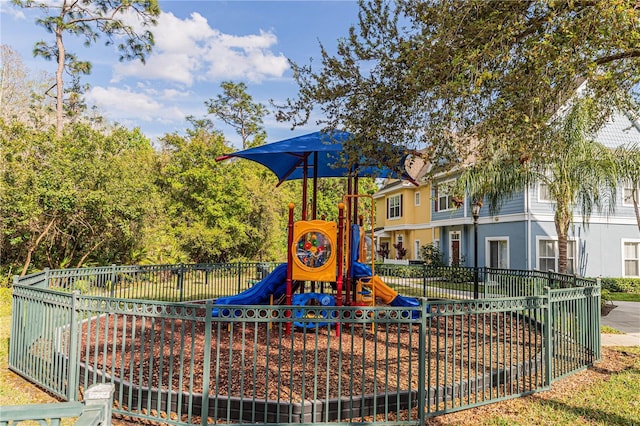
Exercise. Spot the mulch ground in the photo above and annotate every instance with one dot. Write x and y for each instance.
(258, 361)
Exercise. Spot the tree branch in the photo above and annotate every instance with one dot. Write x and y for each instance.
(633, 53)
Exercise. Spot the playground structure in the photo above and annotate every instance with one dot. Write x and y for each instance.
(321, 251)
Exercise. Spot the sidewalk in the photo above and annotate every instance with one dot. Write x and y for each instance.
(625, 318)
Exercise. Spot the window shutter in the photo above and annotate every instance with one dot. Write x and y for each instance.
(387, 207)
(400, 205)
(435, 198)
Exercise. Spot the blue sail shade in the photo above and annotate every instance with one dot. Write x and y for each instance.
(324, 157)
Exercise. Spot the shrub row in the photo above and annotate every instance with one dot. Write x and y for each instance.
(621, 285)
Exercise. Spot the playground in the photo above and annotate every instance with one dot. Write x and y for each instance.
(321, 338)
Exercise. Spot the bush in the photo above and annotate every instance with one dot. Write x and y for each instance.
(433, 256)
(621, 285)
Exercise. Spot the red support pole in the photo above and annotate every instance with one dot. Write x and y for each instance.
(305, 171)
(314, 207)
(289, 267)
(340, 257)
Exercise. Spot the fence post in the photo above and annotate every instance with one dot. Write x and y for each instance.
(206, 372)
(595, 312)
(422, 361)
(100, 397)
(46, 277)
(548, 341)
(424, 279)
(181, 281)
(72, 371)
(239, 271)
(113, 279)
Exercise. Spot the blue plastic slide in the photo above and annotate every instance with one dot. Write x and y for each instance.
(275, 283)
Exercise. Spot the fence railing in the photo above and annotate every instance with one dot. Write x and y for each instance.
(183, 363)
(192, 282)
(94, 411)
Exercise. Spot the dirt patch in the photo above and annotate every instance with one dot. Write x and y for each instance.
(606, 308)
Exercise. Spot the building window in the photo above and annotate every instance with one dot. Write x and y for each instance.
(416, 247)
(394, 207)
(631, 258)
(417, 198)
(444, 197)
(498, 253)
(544, 194)
(548, 255)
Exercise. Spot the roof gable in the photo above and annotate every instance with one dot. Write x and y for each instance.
(619, 130)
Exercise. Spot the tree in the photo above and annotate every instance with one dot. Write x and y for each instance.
(90, 19)
(577, 172)
(237, 109)
(68, 204)
(444, 73)
(19, 87)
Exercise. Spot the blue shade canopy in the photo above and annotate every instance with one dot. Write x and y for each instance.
(323, 153)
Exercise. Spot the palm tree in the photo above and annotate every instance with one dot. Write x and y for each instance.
(577, 172)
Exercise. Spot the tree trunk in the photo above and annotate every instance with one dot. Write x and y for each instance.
(634, 197)
(33, 247)
(562, 222)
(59, 82)
(91, 250)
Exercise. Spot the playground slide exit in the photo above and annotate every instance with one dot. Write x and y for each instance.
(383, 291)
(258, 294)
(276, 283)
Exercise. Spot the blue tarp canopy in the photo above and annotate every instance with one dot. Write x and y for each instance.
(322, 154)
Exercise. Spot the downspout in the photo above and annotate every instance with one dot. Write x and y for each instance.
(528, 230)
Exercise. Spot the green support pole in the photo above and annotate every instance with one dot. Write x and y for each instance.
(548, 344)
(422, 363)
(206, 372)
(72, 371)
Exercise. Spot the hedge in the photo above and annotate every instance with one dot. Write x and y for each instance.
(621, 285)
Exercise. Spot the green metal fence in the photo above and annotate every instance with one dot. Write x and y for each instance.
(183, 363)
(95, 410)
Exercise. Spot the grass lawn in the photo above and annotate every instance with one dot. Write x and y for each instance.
(625, 297)
(605, 394)
(605, 329)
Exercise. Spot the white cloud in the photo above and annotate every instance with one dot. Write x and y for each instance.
(124, 104)
(11, 10)
(187, 50)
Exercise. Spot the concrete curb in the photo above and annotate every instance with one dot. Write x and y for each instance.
(629, 339)
(625, 318)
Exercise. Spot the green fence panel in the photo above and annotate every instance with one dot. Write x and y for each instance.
(185, 360)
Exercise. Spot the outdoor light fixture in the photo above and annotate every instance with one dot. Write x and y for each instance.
(475, 212)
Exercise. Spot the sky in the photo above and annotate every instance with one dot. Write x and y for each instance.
(198, 45)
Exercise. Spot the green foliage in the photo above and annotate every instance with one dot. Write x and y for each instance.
(432, 255)
(90, 20)
(579, 174)
(605, 297)
(237, 109)
(220, 211)
(622, 285)
(74, 201)
(458, 77)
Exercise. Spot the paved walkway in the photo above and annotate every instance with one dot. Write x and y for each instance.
(626, 318)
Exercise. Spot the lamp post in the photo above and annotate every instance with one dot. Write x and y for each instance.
(475, 212)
